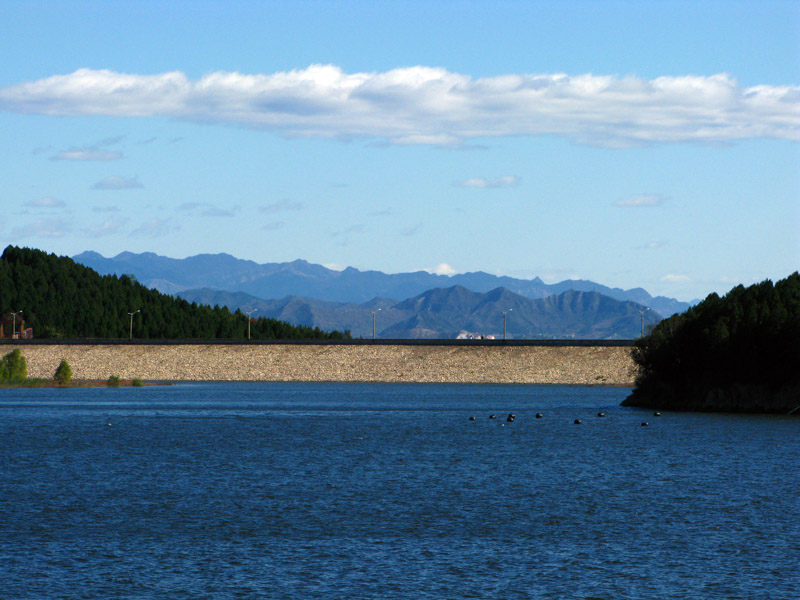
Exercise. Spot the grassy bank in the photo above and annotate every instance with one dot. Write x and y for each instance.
(35, 382)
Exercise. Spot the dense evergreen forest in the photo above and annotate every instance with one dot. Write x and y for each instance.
(62, 299)
(738, 353)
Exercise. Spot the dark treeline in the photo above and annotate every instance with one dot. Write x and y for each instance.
(62, 299)
(738, 353)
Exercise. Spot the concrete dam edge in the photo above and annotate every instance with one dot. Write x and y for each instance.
(584, 364)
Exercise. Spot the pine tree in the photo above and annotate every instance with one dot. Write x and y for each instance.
(746, 343)
(64, 299)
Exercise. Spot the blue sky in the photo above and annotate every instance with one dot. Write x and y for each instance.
(650, 144)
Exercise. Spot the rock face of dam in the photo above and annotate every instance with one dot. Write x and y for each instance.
(364, 362)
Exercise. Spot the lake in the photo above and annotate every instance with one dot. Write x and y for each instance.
(384, 491)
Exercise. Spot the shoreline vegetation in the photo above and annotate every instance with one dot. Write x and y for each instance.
(36, 382)
(739, 353)
(14, 374)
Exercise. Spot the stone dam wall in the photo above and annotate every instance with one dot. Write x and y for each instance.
(548, 364)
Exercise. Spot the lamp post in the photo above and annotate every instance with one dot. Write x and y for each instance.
(373, 323)
(248, 313)
(14, 325)
(504, 321)
(641, 314)
(130, 332)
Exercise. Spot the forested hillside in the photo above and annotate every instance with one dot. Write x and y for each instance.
(738, 353)
(60, 298)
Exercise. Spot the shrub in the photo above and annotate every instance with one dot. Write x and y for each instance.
(63, 372)
(113, 381)
(137, 382)
(13, 366)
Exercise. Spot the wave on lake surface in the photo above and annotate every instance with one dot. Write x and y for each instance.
(296, 491)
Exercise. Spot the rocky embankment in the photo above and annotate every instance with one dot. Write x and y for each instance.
(606, 365)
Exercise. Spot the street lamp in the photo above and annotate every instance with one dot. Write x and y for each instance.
(504, 321)
(130, 333)
(14, 325)
(248, 313)
(641, 314)
(373, 323)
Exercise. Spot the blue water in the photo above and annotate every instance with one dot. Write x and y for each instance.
(354, 491)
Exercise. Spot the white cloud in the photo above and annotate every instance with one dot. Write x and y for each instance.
(559, 275)
(46, 202)
(282, 205)
(410, 231)
(481, 182)
(423, 105)
(641, 200)
(344, 235)
(334, 266)
(358, 228)
(93, 152)
(441, 269)
(154, 228)
(441, 139)
(87, 154)
(675, 278)
(115, 182)
(208, 210)
(50, 228)
(215, 211)
(107, 227)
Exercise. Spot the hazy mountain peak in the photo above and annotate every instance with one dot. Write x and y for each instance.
(88, 254)
(301, 278)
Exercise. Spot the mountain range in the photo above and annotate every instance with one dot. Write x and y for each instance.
(437, 306)
(301, 278)
(449, 312)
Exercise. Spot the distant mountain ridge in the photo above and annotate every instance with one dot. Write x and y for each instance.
(448, 312)
(304, 279)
